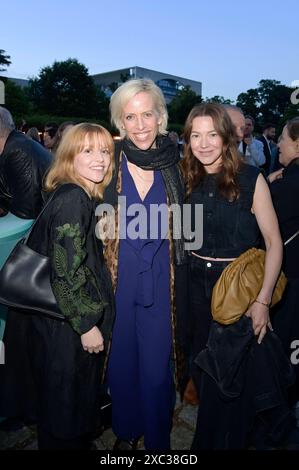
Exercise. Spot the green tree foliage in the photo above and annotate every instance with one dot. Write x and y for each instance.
(182, 104)
(291, 112)
(218, 99)
(249, 102)
(102, 105)
(16, 99)
(114, 85)
(66, 89)
(274, 99)
(4, 60)
(269, 102)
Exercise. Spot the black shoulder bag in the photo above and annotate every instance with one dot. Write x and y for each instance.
(25, 279)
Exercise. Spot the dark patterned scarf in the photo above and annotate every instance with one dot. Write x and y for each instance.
(165, 158)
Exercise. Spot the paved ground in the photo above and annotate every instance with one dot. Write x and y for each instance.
(181, 437)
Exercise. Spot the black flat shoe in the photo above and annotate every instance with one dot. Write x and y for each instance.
(120, 444)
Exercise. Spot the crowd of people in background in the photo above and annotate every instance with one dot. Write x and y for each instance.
(265, 156)
(138, 321)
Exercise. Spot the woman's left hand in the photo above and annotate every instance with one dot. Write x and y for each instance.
(259, 315)
(276, 175)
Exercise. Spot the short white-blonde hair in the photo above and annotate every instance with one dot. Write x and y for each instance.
(127, 91)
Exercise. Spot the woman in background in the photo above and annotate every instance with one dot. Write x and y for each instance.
(285, 194)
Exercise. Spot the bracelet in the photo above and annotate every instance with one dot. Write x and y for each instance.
(262, 303)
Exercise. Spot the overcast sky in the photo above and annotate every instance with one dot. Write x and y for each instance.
(227, 46)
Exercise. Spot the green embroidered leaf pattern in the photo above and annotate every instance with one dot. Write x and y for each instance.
(60, 259)
(61, 230)
(77, 260)
(88, 304)
(79, 281)
(60, 290)
(78, 243)
(69, 288)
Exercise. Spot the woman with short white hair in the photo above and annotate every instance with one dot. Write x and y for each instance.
(140, 375)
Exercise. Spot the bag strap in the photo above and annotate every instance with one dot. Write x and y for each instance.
(39, 215)
(291, 238)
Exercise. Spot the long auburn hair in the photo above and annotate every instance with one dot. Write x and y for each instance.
(72, 143)
(193, 169)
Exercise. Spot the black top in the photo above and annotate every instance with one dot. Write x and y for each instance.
(23, 164)
(229, 228)
(285, 195)
(267, 153)
(80, 281)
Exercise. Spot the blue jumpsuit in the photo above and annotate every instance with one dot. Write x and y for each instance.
(139, 373)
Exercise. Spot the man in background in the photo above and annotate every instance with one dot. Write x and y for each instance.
(238, 120)
(49, 136)
(23, 164)
(270, 148)
(252, 148)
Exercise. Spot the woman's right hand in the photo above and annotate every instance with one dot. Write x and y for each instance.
(93, 341)
(259, 315)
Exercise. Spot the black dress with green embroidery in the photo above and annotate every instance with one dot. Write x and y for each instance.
(68, 378)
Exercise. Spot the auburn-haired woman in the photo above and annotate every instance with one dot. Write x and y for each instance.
(237, 207)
